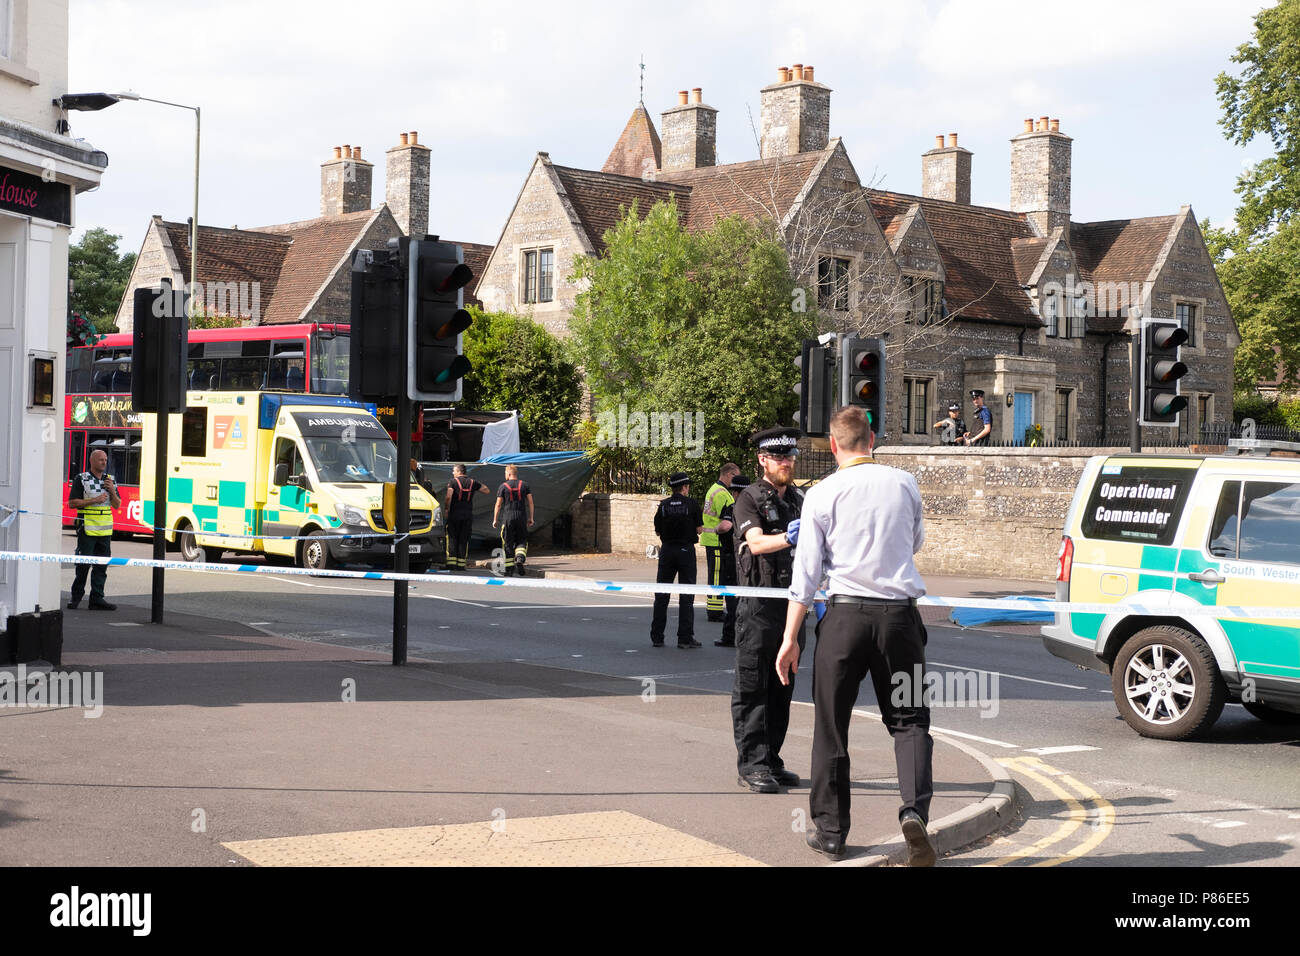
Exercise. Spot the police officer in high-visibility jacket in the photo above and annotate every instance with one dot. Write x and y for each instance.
(94, 495)
(515, 499)
(720, 564)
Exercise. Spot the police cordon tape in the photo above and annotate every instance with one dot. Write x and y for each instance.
(651, 587)
(11, 512)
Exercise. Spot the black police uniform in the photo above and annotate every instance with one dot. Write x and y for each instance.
(514, 523)
(760, 703)
(675, 522)
(460, 519)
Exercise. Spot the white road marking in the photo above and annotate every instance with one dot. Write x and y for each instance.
(1228, 824)
(123, 624)
(867, 712)
(1032, 680)
(1071, 749)
(375, 592)
(552, 607)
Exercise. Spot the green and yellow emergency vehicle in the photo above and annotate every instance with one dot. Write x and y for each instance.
(287, 475)
(1164, 539)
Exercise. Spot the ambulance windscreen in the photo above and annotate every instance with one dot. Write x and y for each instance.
(347, 447)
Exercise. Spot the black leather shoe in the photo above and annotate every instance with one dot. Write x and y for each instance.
(724, 643)
(760, 781)
(716, 617)
(920, 851)
(72, 605)
(786, 778)
(824, 843)
(654, 643)
(101, 606)
(689, 645)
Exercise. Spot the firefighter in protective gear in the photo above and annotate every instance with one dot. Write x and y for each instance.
(460, 516)
(514, 508)
(94, 495)
(721, 566)
(766, 529)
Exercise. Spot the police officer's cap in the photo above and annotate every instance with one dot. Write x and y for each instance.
(777, 441)
(954, 407)
(679, 478)
(977, 393)
(740, 481)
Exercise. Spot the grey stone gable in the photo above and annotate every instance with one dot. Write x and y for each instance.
(914, 245)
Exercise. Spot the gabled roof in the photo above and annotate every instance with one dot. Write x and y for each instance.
(317, 249)
(476, 257)
(637, 148)
(975, 245)
(597, 198)
(1027, 254)
(230, 255)
(1119, 251)
(759, 188)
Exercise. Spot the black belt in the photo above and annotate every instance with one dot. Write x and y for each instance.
(872, 602)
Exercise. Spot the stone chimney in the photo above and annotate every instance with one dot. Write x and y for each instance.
(690, 133)
(796, 114)
(345, 182)
(945, 171)
(406, 185)
(1040, 175)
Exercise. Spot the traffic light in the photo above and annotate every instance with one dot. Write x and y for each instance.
(436, 320)
(862, 377)
(816, 379)
(376, 354)
(1161, 370)
(159, 347)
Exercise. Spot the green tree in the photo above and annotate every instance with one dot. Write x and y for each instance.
(517, 364)
(1256, 257)
(99, 275)
(690, 324)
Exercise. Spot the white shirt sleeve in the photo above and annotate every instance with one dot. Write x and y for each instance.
(918, 532)
(808, 554)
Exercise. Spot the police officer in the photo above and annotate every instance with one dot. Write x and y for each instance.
(460, 516)
(983, 419)
(766, 528)
(678, 522)
(515, 499)
(94, 495)
(716, 502)
(954, 427)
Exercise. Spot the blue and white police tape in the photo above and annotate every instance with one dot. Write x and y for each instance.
(651, 587)
(10, 513)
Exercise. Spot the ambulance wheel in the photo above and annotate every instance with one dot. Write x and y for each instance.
(1167, 684)
(1272, 715)
(190, 549)
(315, 553)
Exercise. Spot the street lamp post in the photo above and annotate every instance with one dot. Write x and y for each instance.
(99, 101)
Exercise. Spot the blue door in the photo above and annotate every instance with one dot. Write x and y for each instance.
(1023, 417)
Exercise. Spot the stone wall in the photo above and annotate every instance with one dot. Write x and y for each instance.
(995, 513)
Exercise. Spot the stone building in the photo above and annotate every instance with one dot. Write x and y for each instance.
(1032, 307)
(298, 271)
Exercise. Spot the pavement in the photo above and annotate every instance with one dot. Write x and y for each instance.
(223, 744)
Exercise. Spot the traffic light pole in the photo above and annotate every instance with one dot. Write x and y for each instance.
(1135, 394)
(402, 526)
(163, 417)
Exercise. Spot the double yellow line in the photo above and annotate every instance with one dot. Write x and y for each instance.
(1103, 821)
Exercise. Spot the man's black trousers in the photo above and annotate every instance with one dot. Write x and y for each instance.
(97, 546)
(721, 565)
(458, 533)
(675, 561)
(760, 703)
(886, 641)
(514, 541)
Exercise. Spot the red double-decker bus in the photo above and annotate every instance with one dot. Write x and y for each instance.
(97, 407)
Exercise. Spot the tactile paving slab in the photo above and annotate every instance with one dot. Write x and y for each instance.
(608, 838)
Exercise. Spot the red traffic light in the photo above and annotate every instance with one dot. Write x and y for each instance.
(866, 362)
(1168, 337)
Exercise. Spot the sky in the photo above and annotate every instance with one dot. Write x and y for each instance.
(487, 86)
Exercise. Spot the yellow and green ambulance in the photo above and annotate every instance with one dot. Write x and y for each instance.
(1164, 539)
(296, 477)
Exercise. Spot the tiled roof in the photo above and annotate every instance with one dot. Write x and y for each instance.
(752, 190)
(638, 143)
(598, 197)
(476, 257)
(318, 248)
(231, 255)
(1118, 251)
(975, 244)
(1026, 253)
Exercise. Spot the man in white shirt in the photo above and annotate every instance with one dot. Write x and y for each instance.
(860, 528)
